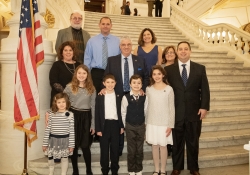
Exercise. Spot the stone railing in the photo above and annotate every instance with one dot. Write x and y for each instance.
(216, 37)
(247, 147)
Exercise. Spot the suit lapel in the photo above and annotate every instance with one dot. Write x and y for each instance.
(69, 33)
(135, 64)
(119, 61)
(191, 74)
(177, 72)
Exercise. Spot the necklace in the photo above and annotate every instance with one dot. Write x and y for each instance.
(70, 70)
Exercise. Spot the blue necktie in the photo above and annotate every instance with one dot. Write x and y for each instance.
(184, 74)
(104, 53)
(126, 76)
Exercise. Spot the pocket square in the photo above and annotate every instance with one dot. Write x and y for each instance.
(139, 69)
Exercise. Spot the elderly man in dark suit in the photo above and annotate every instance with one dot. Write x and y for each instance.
(123, 66)
(117, 66)
(192, 97)
(74, 33)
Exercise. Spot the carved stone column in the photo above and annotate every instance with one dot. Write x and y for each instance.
(166, 8)
(11, 140)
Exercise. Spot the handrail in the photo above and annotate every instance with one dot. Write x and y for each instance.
(224, 35)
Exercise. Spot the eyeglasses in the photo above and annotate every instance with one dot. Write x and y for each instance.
(124, 45)
(75, 19)
(169, 53)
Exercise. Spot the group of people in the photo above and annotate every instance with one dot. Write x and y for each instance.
(158, 7)
(152, 4)
(153, 95)
(125, 10)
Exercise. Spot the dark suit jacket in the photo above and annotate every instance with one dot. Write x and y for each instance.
(114, 67)
(127, 10)
(100, 112)
(196, 94)
(66, 35)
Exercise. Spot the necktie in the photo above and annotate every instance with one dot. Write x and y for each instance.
(104, 53)
(136, 98)
(126, 76)
(184, 74)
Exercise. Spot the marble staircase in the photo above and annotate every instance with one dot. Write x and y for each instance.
(227, 126)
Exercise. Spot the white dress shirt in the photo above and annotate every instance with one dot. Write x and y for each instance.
(187, 67)
(110, 106)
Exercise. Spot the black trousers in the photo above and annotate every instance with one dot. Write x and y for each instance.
(135, 139)
(97, 76)
(188, 133)
(87, 158)
(109, 144)
(158, 8)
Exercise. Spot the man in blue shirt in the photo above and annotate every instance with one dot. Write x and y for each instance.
(98, 49)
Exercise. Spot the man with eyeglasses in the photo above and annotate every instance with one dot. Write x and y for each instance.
(74, 33)
(126, 64)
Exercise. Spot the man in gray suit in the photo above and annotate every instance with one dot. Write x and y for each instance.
(74, 33)
(150, 7)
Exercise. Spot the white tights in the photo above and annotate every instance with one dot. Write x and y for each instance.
(64, 166)
(160, 152)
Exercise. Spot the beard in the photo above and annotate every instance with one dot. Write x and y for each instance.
(76, 26)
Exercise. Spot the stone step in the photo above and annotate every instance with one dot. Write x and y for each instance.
(221, 156)
(224, 138)
(95, 30)
(133, 27)
(226, 123)
(228, 71)
(95, 15)
(229, 77)
(197, 57)
(228, 83)
(229, 100)
(225, 170)
(135, 34)
(230, 91)
(223, 111)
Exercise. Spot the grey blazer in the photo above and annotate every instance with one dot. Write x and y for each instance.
(66, 35)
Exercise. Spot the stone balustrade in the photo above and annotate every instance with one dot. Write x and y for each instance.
(223, 36)
(247, 147)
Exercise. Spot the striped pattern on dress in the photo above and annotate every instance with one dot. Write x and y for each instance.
(60, 124)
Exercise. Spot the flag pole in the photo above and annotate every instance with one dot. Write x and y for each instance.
(25, 172)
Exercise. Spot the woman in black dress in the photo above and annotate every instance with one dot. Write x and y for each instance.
(62, 71)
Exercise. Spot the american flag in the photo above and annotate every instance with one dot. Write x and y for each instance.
(29, 55)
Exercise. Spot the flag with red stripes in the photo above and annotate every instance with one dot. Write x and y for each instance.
(30, 54)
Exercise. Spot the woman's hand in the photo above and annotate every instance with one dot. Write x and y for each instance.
(168, 132)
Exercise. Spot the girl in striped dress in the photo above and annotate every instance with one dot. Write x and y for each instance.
(59, 136)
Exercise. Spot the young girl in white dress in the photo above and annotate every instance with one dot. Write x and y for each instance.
(59, 138)
(160, 117)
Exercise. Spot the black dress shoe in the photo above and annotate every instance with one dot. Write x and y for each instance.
(194, 172)
(176, 172)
